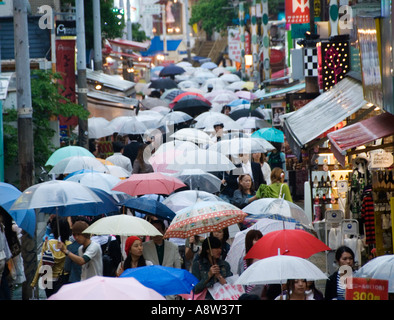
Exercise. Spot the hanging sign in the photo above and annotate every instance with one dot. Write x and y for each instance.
(381, 160)
(234, 44)
(367, 289)
(297, 11)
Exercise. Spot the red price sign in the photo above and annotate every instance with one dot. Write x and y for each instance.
(367, 289)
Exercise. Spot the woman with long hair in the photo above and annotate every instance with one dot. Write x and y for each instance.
(139, 165)
(245, 193)
(277, 189)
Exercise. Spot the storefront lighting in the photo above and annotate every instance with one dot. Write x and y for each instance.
(248, 59)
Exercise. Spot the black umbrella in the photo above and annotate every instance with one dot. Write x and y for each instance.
(171, 70)
(235, 115)
(192, 107)
(164, 83)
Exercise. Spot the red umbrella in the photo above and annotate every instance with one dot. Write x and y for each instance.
(295, 242)
(184, 94)
(147, 183)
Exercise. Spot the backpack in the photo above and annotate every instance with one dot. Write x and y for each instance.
(109, 267)
(275, 160)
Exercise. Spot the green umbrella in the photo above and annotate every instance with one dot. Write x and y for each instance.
(66, 152)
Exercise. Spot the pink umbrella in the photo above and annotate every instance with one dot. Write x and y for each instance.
(147, 183)
(246, 95)
(106, 288)
(161, 160)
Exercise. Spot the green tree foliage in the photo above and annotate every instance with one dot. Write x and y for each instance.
(47, 102)
(212, 16)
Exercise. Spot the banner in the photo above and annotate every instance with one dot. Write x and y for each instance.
(65, 65)
(297, 11)
(367, 289)
(234, 44)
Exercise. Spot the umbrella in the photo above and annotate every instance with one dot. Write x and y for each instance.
(171, 70)
(203, 217)
(268, 206)
(175, 117)
(117, 122)
(99, 127)
(192, 107)
(184, 94)
(220, 70)
(184, 64)
(294, 242)
(171, 94)
(270, 134)
(106, 288)
(230, 77)
(97, 180)
(238, 102)
(209, 65)
(274, 270)
(188, 97)
(175, 145)
(76, 163)
(150, 206)
(216, 83)
(149, 118)
(123, 225)
(241, 146)
(236, 85)
(206, 160)
(201, 76)
(192, 135)
(118, 172)
(252, 123)
(186, 84)
(153, 182)
(208, 122)
(381, 267)
(183, 199)
(246, 95)
(161, 109)
(167, 280)
(151, 102)
(246, 112)
(198, 179)
(66, 152)
(132, 126)
(237, 248)
(24, 218)
(164, 83)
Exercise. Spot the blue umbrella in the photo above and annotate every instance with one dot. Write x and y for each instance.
(150, 206)
(107, 206)
(238, 102)
(171, 70)
(164, 280)
(270, 134)
(24, 218)
(79, 172)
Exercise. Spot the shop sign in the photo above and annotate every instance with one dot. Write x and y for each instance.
(367, 289)
(297, 11)
(381, 160)
(234, 44)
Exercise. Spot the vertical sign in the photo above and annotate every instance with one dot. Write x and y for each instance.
(234, 45)
(65, 65)
(297, 11)
(242, 36)
(255, 46)
(265, 41)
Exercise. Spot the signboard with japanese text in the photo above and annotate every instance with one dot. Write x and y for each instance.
(367, 289)
(297, 11)
(234, 44)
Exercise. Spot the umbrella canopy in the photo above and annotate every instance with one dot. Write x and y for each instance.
(171, 70)
(214, 83)
(208, 123)
(245, 112)
(198, 179)
(252, 123)
(220, 70)
(54, 193)
(151, 102)
(295, 242)
(206, 160)
(184, 94)
(144, 183)
(66, 152)
(246, 95)
(106, 288)
(99, 127)
(123, 225)
(237, 248)
(167, 280)
(175, 145)
(103, 181)
(175, 117)
(184, 64)
(238, 102)
(118, 171)
(164, 83)
(381, 267)
(24, 218)
(192, 135)
(230, 77)
(161, 109)
(133, 126)
(209, 65)
(241, 146)
(270, 134)
(150, 206)
(187, 84)
(76, 163)
(187, 198)
(277, 269)
(202, 217)
(268, 206)
(236, 85)
(193, 107)
(171, 94)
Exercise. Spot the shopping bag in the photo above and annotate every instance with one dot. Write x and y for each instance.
(228, 291)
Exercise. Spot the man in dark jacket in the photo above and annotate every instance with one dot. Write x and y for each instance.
(131, 150)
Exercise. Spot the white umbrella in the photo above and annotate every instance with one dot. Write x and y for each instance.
(175, 145)
(240, 146)
(161, 109)
(132, 126)
(237, 249)
(230, 96)
(252, 123)
(381, 267)
(220, 70)
(192, 135)
(217, 84)
(118, 171)
(149, 118)
(123, 225)
(230, 77)
(186, 84)
(184, 64)
(198, 179)
(201, 76)
(187, 198)
(271, 206)
(97, 180)
(75, 163)
(277, 269)
(237, 85)
(99, 127)
(206, 160)
(117, 122)
(175, 117)
(209, 65)
(212, 118)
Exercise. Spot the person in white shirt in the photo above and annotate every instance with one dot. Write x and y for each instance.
(118, 158)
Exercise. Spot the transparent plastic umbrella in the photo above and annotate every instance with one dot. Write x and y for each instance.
(198, 179)
(76, 163)
(66, 152)
(183, 199)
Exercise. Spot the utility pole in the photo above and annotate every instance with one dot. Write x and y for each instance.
(186, 6)
(128, 23)
(98, 56)
(81, 66)
(25, 130)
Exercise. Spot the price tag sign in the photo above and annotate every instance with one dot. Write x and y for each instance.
(367, 289)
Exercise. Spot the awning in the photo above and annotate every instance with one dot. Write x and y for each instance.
(111, 81)
(323, 113)
(157, 46)
(359, 134)
(130, 45)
